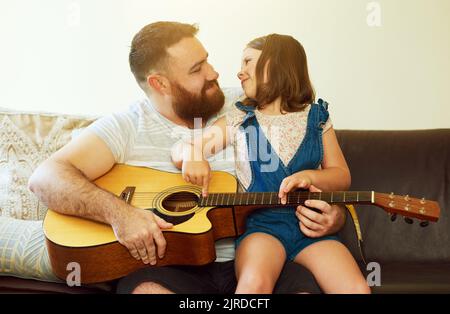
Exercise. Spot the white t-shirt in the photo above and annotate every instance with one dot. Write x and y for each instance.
(141, 136)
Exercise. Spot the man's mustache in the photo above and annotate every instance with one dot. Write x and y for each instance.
(210, 84)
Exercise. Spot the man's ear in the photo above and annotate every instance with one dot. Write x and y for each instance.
(159, 83)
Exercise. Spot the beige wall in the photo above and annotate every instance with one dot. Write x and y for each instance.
(71, 55)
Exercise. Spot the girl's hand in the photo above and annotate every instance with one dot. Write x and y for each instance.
(194, 168)
(197, 172)
(295, 181)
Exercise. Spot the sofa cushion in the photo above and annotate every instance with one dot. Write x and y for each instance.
(23, 256)
(18, 285)
(26, 140)
(22, 250)
(412, 277)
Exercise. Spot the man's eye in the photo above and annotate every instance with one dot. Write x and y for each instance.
(246, 61)
(196, 71)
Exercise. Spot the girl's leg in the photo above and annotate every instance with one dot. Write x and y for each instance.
(333, 267)
(259, 260)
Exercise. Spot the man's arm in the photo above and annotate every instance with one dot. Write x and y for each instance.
(63, 183)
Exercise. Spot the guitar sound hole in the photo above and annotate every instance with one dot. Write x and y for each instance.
(180, 202)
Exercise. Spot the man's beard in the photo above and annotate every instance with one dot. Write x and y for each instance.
(189, 106)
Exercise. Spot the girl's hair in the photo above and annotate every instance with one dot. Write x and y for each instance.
(287, 73)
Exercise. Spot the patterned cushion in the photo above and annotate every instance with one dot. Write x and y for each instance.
(26, 140)
(22, 250)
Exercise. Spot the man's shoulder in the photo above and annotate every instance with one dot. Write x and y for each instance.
(139, 107)
(126, 119)
(232, 95)
(138, 111)
(232, 92)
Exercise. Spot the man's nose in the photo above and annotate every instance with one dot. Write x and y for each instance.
(212, 74)
(240, 75)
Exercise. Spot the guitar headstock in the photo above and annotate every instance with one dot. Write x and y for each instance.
(408, 206)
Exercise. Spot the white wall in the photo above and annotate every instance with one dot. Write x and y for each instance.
(71, 55)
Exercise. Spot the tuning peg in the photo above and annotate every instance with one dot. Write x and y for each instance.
(424, 223)
(422, 201)
(393, 217)
(391, 196)
(409, 220)
(407, 198)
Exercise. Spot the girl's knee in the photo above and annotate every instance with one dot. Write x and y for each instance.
(254, 284)
(150, 288)
(360, 287)
(363, 288)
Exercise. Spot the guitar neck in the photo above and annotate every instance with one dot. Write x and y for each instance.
(293, 198)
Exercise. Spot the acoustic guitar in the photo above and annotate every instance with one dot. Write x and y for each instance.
(198, 221)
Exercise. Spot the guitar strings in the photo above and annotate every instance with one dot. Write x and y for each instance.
(174, 196)
(292, 199)
(146, 196)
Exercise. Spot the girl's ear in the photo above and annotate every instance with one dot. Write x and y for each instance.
(158, 83)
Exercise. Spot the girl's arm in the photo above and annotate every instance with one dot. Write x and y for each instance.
(215, 138)
(191, 156)
(212, 140)
(335, 174)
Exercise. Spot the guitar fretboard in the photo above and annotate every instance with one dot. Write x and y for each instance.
(293, 198)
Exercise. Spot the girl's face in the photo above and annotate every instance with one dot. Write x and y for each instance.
(247, 74)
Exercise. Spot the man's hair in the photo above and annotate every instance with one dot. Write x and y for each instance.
(287, 73)
(149, 46)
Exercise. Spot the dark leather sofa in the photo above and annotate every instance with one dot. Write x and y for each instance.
(412, 259)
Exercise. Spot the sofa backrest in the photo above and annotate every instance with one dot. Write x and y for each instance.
(416, 163)
(26, 140)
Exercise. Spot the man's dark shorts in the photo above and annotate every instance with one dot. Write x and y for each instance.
(218, 278)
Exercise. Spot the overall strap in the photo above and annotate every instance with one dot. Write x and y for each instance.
(249, 110)
(323, 112)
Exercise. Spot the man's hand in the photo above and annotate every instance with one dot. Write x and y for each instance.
(314, 224)
(138, 230)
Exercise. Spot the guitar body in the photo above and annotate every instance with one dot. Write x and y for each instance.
(96, 249)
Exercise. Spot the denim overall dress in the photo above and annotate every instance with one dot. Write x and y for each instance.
(282, 223)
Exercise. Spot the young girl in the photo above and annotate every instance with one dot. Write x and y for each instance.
(283, 141)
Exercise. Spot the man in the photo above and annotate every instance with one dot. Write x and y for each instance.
(171, 66)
